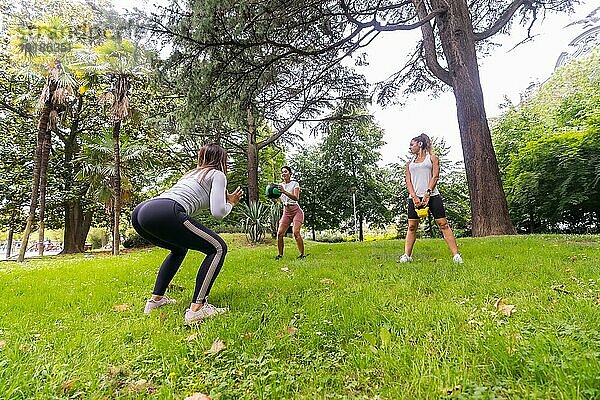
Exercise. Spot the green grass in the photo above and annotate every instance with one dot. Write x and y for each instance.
(367, 326)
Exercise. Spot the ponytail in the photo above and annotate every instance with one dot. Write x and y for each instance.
(424, 142)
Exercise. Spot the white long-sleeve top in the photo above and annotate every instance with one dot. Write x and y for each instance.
(196, 193)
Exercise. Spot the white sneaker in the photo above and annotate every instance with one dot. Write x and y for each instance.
(152, 304)
(206, 311)
(457, 259)
(405, 258)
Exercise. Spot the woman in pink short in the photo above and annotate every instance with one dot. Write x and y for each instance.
(292, 213)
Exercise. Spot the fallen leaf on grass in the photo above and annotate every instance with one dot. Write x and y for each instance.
(2, 343)
(198, 396)
(141, 386)
(505, 309)
(326, 280)
(67, 386)
(121, 307)
(291, 330)
(191, 337)
(172, 288)
(455, 389)
(115, 372)
(216, 347)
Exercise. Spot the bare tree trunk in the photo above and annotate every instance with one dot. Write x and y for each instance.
(489, 208)
(43, 184)
(116, 190)
(361, 234)
(9, 242)
(252, 155)
(42, 128)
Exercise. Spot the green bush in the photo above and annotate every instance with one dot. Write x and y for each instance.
(134, 240)
(97, 237)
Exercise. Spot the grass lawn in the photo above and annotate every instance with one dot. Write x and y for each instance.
(347, 322)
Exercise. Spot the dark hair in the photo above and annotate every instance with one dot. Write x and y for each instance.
(425, 142)
(288, 168)
(210, 156)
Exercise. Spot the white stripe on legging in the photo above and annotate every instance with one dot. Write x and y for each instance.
(215, 261)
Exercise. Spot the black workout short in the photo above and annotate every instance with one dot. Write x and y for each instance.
(436, 207)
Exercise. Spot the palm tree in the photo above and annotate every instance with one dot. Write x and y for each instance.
(27, 43)
(116, 65)
(100, 170)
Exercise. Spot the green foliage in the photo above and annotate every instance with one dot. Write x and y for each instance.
(134, 240)
(345, 323)
(61, 30)
(313, 176)
(548, 150)
(554, 181)
(98, 237)
(348, 171)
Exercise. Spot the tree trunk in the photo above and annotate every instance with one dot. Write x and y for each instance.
(43, 183)
(77, 222)
(361, 235)
(77, 226)
(116, 189)
(252, 156)
(42, 128)
(489, 209)
(9, 243)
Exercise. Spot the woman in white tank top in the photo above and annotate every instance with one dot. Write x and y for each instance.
(422, 173)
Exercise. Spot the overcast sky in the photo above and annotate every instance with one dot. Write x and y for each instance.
(507, 72)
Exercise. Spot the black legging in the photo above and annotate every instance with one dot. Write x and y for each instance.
(164, 223)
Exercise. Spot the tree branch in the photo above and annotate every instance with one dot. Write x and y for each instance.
(431, 59)
(334, 118)
(286, 128)
(391, 27)
(15, 110)
(501, 22)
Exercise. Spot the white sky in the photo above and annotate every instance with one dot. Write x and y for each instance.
(504, 73)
